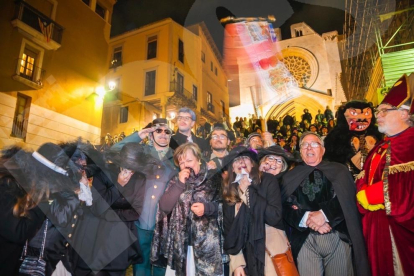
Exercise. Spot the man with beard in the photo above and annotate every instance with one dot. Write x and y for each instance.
(157, 177)
(219, 143)
(186, 119)
(319, 206)
(386, 185)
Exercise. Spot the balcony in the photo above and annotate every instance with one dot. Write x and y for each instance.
(37, 26)
(182, 97)
(29, 74)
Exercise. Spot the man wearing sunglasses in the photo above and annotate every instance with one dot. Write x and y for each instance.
(386, 185)
(157, 177)
(319, 206)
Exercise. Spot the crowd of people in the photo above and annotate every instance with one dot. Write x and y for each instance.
(228, 200)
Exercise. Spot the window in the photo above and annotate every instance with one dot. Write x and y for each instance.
(203, 57)
(101, 11)
(21, 116)
(211, 66)
(180, 83)
(87, 2)
(215, 70)
(152, 47)
(123, 114)
(210, 106)
(298, 32)
(195, 92)
(150, 83)
(27, 64)
(223, 108)
(181, 50)
(116, 57)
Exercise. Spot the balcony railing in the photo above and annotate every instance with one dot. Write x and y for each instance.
(180, 90)
(30, 71)
(19, 127)
(34, 18)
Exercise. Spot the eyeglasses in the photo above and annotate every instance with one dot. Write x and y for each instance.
(274, 159)
(305, 145)
(241, 159)
(126, 172)
(221, 137)
(160, 130)
(383, 111)
(184, 118)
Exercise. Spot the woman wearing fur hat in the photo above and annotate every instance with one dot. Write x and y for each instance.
(253, 210)
(106, 237)
(187, 218)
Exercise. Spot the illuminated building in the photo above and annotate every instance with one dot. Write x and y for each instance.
(314, 61)
(160, 68)
(54, 56)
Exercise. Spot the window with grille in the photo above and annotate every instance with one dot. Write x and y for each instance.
(21, 116)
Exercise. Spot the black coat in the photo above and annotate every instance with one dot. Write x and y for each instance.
(106, 237)
(345, 190)
(178, 139)
(246, 231)
(14, 231)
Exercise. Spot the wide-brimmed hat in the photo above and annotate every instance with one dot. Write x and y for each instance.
(278, 151)
(238, 152)
(132, 157)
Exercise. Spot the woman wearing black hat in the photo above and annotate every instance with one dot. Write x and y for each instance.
(28, 181)
(187, 234)
(106, 237)
(253, 203)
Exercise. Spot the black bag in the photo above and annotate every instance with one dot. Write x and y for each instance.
(31, 265)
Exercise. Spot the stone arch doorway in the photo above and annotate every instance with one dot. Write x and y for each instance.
(296, 106)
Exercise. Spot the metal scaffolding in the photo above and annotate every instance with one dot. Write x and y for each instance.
(372, 29)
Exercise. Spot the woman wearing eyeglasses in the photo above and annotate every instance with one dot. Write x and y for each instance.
(253, 206)
(107, 239)
(186, 235)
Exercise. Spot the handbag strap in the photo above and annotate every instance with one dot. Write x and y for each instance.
(44, 239)
(270, 254)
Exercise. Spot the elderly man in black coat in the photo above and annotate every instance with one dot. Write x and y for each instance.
(319, 206)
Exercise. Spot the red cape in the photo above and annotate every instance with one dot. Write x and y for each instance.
(377, 224)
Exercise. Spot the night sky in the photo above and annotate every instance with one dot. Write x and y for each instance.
(321, 15)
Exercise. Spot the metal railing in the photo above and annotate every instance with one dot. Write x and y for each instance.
(30, 71)
(30, 16)
(18, 129)
(182, 91)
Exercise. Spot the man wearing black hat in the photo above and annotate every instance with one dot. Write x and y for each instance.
(386, 185)
(319, 205)
(157, 177)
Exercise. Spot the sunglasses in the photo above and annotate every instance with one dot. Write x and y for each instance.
(166, 131)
